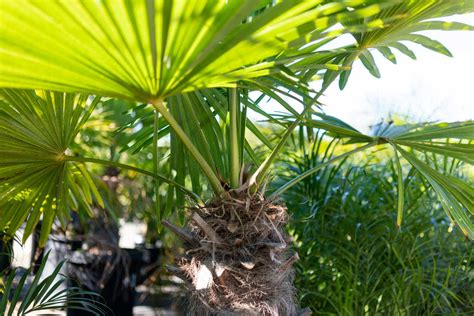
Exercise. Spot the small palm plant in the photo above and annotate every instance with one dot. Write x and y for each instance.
(20, 297)
(195, 63)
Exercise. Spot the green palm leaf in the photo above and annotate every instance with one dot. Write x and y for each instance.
(44, 293)
(392, 27)
(148, 50)
(337, 128)
(36, 130)
(448, 140)
(454, 140)
(412, 16)
(455, 195)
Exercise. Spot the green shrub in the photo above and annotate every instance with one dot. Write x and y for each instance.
(355, 260)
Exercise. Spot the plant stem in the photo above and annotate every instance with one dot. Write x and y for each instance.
(156, 129)
(191, 194)
(260, 174)
(309, 172)
(234, 137)
(206, 168)
(401, 191)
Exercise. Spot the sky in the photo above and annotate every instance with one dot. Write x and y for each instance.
(434, 87)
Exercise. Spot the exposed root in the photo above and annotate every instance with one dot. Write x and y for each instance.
(243, 265)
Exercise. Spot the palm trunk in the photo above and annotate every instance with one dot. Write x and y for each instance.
(238, 260)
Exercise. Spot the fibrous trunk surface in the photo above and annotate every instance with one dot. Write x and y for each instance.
(238, 260)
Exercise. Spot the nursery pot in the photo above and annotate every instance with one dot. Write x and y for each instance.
(122, 304)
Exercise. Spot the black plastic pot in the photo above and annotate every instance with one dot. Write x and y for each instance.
(142, 257)
(119, 292)
(120, 305)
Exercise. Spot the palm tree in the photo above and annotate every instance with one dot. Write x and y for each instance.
(195, 63)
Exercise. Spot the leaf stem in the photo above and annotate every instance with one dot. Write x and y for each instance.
(260, 173)
(234, 137)
(191, 194)
(206, 168)
(309, 172)
(156, 129)
(401, 191)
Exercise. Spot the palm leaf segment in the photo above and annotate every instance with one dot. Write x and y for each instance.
(412, 142)
(389, 31)
(36, 129)
(147, 50)
(45, 293)
(409, 18)
(454, 140)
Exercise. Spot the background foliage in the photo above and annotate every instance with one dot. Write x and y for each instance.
(354, 258)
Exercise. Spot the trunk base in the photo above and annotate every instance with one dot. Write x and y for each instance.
(238, 260)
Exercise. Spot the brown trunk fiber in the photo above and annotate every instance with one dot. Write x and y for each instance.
(238, 260)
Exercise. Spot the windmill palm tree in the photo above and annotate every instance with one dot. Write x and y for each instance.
(195, 63)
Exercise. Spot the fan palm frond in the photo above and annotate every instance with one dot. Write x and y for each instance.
(148, 50)
(36, 130)
(391, 29)
(454, 140)
(450, 140)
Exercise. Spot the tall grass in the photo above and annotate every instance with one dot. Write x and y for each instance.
(354, 260)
